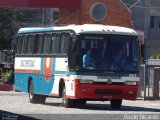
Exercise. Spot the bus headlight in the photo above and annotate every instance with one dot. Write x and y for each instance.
(86, 81)
(131, 83)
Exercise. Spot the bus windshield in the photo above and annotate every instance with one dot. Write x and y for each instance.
(109, 52)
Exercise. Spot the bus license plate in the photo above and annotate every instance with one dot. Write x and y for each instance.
(107, 97)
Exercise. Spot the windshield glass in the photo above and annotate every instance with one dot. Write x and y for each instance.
(109, 52)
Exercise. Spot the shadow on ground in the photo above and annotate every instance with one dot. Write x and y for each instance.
(104, 107)
(54, 104)
(123, 108)
(4, 115)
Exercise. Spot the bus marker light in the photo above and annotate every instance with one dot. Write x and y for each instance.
(77, 81)
(107, 97)
(86, 81)
(131, 83)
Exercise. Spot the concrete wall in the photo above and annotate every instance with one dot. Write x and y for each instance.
(152, 35)
(141, 14)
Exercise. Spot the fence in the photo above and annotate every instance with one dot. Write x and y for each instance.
(150, 80)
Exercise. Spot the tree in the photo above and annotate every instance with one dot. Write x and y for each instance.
(8, 18)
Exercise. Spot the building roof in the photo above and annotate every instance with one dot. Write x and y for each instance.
(86, 28)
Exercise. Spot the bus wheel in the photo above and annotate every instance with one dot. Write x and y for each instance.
(33, 97)
(66, 101)
(41, 99)
(116, 104)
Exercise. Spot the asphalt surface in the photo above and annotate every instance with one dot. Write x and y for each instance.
(16, 105)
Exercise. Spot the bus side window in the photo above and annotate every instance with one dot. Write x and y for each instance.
(24, 44)
(65, 39)
(30, 45)
(55, 43)
(47, 43)
(38, 44)
(18, 44)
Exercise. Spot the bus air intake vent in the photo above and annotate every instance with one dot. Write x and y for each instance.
(108, 77)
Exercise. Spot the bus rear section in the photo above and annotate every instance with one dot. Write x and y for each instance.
(81, 64)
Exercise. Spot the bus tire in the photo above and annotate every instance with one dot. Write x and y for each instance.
(41, 99)
(66, 102)
(116, 104)
(34, 98)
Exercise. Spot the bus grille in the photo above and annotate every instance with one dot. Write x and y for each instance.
(108, 77)
(98, 91)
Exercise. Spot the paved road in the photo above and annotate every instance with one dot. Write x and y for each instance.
(17, 103)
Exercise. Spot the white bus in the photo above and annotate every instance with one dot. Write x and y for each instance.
(53, 62)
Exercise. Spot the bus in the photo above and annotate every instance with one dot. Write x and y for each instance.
(49, 62)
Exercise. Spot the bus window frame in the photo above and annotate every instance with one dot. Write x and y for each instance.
(67, 52)
(32, 35)
(55, 54)
(46, 54)
(108, 36)
(38, 53)
(41, 54)
(16, 45)
(24, 53)
(73, 50)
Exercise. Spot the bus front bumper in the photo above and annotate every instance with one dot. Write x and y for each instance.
(97, 92)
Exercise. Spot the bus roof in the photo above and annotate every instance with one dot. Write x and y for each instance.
(86, 28)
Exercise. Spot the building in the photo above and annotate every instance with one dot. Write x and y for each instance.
(146, 17)
(110, 12)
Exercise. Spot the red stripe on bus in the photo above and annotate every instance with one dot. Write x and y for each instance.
(54, 95)
(23, 70)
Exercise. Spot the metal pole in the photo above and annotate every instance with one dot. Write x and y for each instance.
(149, 80)
(146, 76)
(144, 82)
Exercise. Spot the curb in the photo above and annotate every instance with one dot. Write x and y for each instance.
(6, 87)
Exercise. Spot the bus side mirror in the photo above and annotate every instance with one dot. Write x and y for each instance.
(142, 50)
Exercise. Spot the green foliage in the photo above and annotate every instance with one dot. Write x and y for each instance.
(5, 75)
(7, 18)
(7, 15)
(155, 57)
